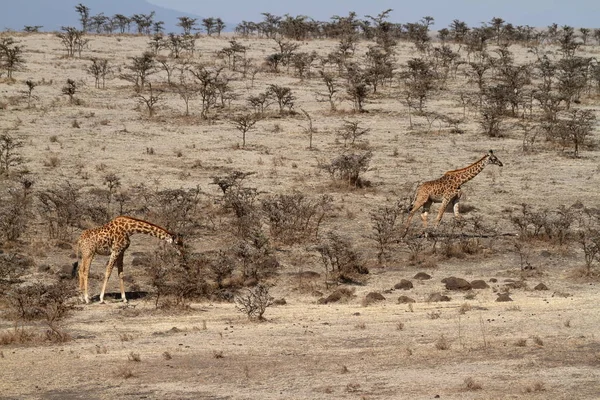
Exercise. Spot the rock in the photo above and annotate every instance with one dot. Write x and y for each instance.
(422, 276)
(374, 297)
(405, 299)
(337, 295)
(279, 302)
(503, 297)
(545, 253)
(308, 275)
(404, 284)
(435, 297)
(479, 284)
(540, 286)
(454, 283)
(493, 280)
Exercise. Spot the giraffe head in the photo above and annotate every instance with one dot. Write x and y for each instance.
(176, 240)
(492, 159)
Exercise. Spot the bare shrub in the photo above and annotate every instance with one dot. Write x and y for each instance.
(295, 218)
(341, 262)
(245, 123)
(9, 153)
(347, 167)
(15, 210)
(70, 89)
(177, 280)
(19, 335)
(385, 228)
(351, 130)
(240, 200)
(99, 69)
(256, 255)
(471, 384)
(254, 302)
(61, 210)
(442, 343)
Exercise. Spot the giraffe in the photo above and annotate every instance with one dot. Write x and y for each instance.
(447, 189)
(112, 239)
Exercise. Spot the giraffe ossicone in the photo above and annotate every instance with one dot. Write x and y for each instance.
(446, 190)
(112, 239)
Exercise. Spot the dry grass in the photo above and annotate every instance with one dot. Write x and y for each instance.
(305, 346)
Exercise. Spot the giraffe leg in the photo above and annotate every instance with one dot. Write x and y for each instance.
(455, 206)
(420, 201)
(109, 267)
(83, 274)
(441, 212)
(425, 213)
(120, 272)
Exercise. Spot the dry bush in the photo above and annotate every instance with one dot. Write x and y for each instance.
(177, 280)
(521, 342)
(442, 343)
(44, 302)
(386, 229)
(240, 200)
(258, 260)
(535, 387)
(12, 266)
(295, 218)
(254, 302)
(134, 357)
(19, 335)
(40, 301)
(471, 384)
(10, 156)
(555, 226)
(61, 210)
(124, 372)
(341, 262)
(15, 210)
(538, 340)
(347, 167)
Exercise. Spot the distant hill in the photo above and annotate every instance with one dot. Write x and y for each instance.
(52, 14)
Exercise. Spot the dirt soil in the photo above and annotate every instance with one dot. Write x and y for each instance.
(541, 345)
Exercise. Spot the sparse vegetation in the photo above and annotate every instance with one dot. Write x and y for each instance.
(354, 111)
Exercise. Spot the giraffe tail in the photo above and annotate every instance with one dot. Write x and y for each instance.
(75, 269)
(76, 263)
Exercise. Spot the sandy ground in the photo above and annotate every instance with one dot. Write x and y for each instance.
(541, 345)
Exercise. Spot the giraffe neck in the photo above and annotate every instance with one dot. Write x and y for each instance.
(133, 225)
(466, 174)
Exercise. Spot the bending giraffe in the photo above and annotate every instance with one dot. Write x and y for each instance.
(446, 190)
(112, 239)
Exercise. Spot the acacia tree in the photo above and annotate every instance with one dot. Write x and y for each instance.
(576, 128)
(207, 86)
(244, 123)
(11, 56)
(283, 95)
(84, 16)
(187, 24)
(9, 153)
(141, 68)
(99, 69)
(150, 99)
(419, 79)
(209, 25)
(332, 90)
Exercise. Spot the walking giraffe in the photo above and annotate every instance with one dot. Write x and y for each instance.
(112, 239)
(447, 189)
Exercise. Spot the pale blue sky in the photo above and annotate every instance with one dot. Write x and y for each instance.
(539, 13)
